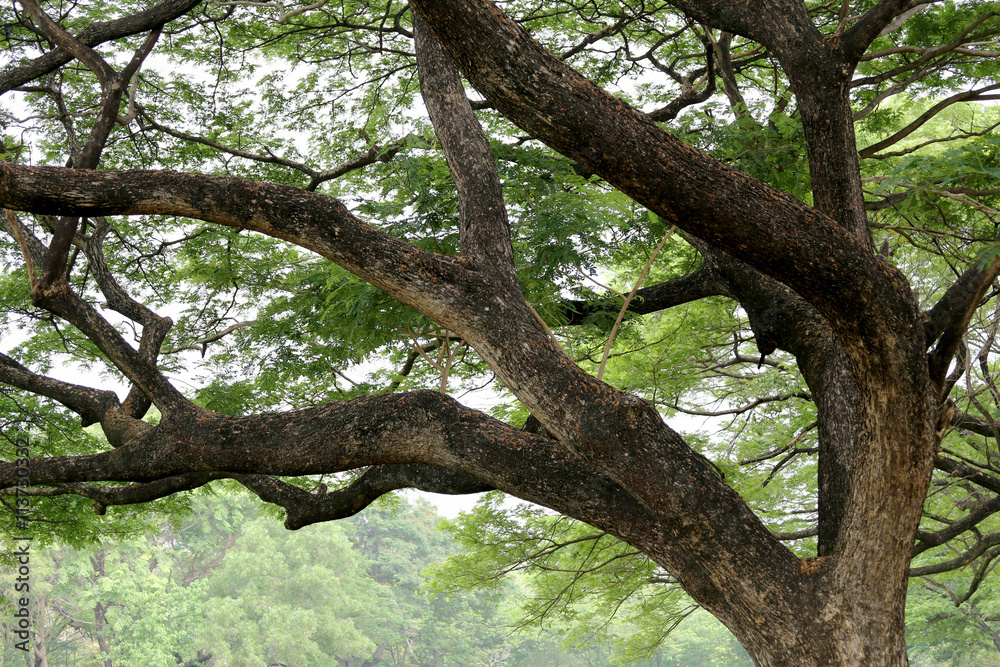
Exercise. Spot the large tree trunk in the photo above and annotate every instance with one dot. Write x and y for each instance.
(877, 403)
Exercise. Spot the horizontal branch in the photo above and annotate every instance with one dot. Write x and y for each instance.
(697, 285)
(132, 494)
(202, 343)
(959, 561)
(304, 508)
(91, 404)
(977, 425)
(425, 428)
(437, 285)
(955, 136)
(928, 540)
(798, 534)
(964, 471)
(747, 407)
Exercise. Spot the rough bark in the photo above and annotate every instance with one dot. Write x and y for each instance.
(890, 466)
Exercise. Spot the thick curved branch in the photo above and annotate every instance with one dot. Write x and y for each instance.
(767, 229)
(59, 37)
(415, 430)
(961, 560)
(965, 471)
(624, 441)
(483, 226)
(91, 404)
(304, 508)
(975, 425)
(437, 285)
(431, 429)
(978, 514)
(421, 427)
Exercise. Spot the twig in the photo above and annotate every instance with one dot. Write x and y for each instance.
(621, 313)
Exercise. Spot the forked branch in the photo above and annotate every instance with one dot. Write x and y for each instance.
(948, 320)
(483, 226)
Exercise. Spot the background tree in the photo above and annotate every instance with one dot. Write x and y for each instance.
(224, 585)
(463, 273)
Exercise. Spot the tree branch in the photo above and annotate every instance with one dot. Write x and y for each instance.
(976, 516)
(964, 471)
(94, 34)
(437, 285)
(967, 96)
(304, 508)
(113, 87)
(91, 404)
(690, 96)
(961, 560)
(975, 425)
(317, 177)
(884, 17)
(777, 234)
(921, 64)
(108, 496)
(202, 343)
(764, 21)
(483, 226)
(702, 283)
(948, 320)
(420, 436)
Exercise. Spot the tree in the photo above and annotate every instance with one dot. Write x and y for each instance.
(226, 585)
(878, 365)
